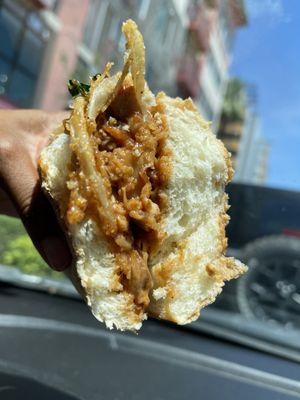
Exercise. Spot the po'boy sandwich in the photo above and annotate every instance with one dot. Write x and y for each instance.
(138, 181)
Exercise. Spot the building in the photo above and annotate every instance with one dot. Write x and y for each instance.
(162, 25)
(203, 72)
(253, 155)
(239, 129)
(233, 116)
(38, 50)
(46, 42)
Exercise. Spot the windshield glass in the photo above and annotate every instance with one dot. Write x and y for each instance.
(239, 61)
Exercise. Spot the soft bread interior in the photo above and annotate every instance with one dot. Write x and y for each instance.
(94, 263)
(190, 269)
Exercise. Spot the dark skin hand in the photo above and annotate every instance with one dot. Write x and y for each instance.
(23, 134)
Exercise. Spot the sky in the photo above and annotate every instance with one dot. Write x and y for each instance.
(266, 53)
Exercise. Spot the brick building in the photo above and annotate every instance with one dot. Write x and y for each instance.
(203, 72)
(38, 51)
(45, 42)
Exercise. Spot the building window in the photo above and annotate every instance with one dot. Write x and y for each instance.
(205, 107)
(226, 32)
(162, 21)
(115, 29)
(143, 10)
(94, 23)
(23, 36)
(171, 36)
(121, 44)
(213, 69)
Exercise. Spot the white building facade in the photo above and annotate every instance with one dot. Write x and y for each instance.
(253, 154)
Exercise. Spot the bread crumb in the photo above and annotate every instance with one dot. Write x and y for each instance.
(160, 293)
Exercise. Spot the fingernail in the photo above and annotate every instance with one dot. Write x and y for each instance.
(56, 253)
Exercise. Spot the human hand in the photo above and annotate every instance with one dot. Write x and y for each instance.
(23, 134)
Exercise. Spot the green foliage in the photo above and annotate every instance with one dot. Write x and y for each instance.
(75, 88)
(234, 105)
(10, 229)
(20, 252)
(17, 250)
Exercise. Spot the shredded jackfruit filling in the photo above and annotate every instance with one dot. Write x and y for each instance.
(120, 168)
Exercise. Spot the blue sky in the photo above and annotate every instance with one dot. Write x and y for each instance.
(267, 53)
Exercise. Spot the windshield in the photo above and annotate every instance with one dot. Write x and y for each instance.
(239, 61)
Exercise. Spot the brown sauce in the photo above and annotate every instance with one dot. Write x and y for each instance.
(130, 154)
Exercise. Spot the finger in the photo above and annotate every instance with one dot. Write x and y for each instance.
(23, 186)
(6, 206)
(41, 223)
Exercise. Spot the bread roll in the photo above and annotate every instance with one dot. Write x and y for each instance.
(138, 183)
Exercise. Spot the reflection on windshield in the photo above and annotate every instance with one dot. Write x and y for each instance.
(238, 61)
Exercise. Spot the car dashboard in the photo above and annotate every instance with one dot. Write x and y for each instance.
(52, 347)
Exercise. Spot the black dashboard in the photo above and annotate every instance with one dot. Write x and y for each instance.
(52, 348)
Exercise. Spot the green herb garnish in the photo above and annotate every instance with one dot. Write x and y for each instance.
(75, 88)
(95, 77)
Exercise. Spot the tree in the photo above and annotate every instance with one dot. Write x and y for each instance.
(234, 105)
(10, 228)
(21, 253)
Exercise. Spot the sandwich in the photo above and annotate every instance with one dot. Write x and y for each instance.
(137, 181)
